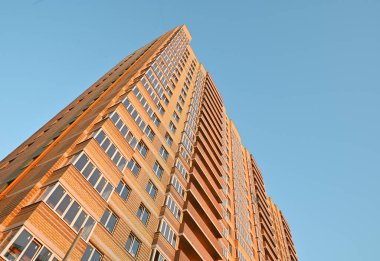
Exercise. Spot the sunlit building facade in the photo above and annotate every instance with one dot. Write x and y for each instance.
(144, 165)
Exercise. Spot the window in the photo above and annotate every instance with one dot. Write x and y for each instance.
(184, 93)
(168, 139)
(134, 167)
(91, 254)
(227, 215)
(178, 107)
(181, 168)
(157, 256)
(131, 140)
(110, 149)
(142, 148)
(161, 109)
(97, 180)
(172, 127)
(169, 92)
(68, 209)
(186, 143)
(157, 169)
(186, 87)
(123, 128)
(173, 207)
(166, 101)
(168, 233)
(151, 189)
(177, 185)
(149, 133)
(123, 190)
(132, 245)
(175, 117)
(135, 115)
(155, 119)
(181, 100)
(143, 214)
(26, 247)
(164, 153)
(109, 220)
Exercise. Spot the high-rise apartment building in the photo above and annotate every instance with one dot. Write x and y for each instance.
(144, 165)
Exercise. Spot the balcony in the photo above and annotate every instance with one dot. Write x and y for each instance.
(266, 236)
(201, 253)
(181, 256)
(217, 108)
(205, 173)
(199, 217)
(217, 153)
(211, 121)
(210, 133)
(270, 251)
(211, 107)
(202, 229)
(213, 212)
(203, 144)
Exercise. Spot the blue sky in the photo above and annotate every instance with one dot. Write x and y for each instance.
(300, 79)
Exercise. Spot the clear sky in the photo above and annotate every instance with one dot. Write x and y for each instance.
(300, 79)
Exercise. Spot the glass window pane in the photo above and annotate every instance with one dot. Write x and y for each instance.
(116, 158)
(133, 142)
(87, 171)
(104, 218)
(107, 191)
(79, 222)
(105, 144)
(119, 125)
(87, 253)
(122, 164)
(101, 184)
(30, 251)
(55, 196)
(96, 256)
(81, 162)
(145, 217)
(111, 150)
(44, 255)
(124, 130)
(94, 177)
(119, 187)
(71, 213)
(135, 247)
(18, 246)
(111, 223)
(125, 193)
(88, 227)
(115, 117)
(128, 243)
(64, 204)
(100, 137)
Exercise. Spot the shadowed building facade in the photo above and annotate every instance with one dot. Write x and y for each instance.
(143, 165)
